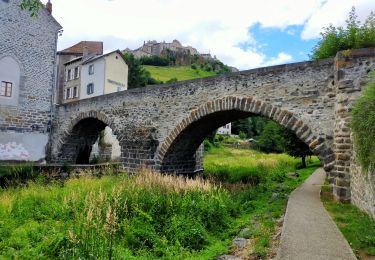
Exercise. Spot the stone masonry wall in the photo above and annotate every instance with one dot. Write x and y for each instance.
(143, 120)
(32, 43)
(352, 74)
(312, 99)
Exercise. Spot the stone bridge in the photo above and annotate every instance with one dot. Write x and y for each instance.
(162, 127)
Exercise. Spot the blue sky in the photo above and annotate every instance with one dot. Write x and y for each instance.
(242, 33)
(271, 41)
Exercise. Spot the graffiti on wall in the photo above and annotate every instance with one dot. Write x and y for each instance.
(13, 151)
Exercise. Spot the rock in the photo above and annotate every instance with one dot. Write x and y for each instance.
(245, 232)
(228, 257)
(293, 174)
(240, 242)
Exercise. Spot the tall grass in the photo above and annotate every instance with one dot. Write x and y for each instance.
(148, 215)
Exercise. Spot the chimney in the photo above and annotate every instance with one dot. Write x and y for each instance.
(49, 6)
(85, 51)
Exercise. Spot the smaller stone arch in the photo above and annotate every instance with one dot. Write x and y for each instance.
(81, 133)
(250, 105)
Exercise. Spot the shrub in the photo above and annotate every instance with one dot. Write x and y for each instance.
(353, 36)
(363, 125)
(172, 80)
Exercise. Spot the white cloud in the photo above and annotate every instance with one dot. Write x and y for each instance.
(211, 26)
(335, 12)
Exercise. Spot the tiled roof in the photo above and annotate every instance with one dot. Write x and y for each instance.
(93, 48)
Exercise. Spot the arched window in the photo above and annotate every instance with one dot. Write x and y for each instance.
(9, 81)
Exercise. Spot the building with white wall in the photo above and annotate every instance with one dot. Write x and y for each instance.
(225, 129)
(94, 75)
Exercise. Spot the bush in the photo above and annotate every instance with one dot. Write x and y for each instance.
(363, 125)
(353, 36)
(172, 80)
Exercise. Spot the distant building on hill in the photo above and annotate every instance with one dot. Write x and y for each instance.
(151, 48)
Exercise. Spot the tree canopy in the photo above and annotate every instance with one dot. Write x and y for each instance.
(353, 36)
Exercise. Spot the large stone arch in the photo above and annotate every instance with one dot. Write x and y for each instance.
(82, 131)
(239, 107)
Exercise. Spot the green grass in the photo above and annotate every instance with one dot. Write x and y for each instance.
(179, 72)
(356, 226)
(149, 216)
(265, 202)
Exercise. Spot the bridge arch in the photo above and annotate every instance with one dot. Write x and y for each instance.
(82, 132)
(178, 151)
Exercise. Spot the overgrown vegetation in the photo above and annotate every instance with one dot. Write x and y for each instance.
(137, 75)
(363, 125)
(353, 36)
(145, 216)
(271, 137)
(356, 226)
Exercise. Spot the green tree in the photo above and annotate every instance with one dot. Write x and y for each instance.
(32, 6)
(137, 75)
(296, 148)
(353, 36)
(272, 138)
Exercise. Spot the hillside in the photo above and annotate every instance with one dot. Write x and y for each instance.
(165, 73)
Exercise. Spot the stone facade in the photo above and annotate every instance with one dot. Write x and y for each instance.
(150, 123)
(31, 43)
(352, 74)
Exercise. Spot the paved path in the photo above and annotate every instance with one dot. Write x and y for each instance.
(308, 231)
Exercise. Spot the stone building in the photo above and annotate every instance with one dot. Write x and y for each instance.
(69, 54)
(93, 75)
(27, 75)
(150, 48)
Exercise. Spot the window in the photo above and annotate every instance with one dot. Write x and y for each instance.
(90, 88)
(68, 93)
(76, 72)
(6, 89)
(69, 75)
(91, 69)
(75, 92)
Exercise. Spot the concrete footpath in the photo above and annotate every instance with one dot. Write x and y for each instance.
(308, 231)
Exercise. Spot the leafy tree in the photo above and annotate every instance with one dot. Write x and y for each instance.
(272, 138)
(275, 138)
(353, 36)
(32, 6)
(296, 148)
(137, 75)
(251, 126)
(154, 61)
(363, 126)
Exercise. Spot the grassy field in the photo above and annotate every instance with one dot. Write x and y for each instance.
(149, 215)
(179, 72)
(356, 226)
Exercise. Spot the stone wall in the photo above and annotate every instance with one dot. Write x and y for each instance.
(162, 127)
(31, 42)
(146, 121)
(352, 74)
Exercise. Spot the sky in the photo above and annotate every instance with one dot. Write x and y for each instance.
(242, 33)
